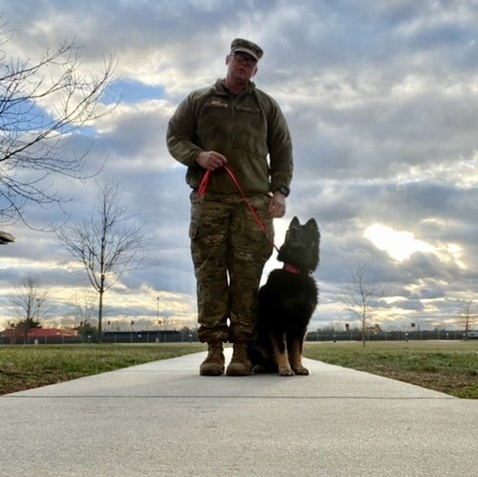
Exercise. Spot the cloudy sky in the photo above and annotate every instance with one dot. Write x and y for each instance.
(381, 98)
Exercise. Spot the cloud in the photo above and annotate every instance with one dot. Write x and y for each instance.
(379, 97)
(399, 245)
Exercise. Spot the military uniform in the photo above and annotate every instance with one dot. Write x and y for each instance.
(229, 252)
(228, 248)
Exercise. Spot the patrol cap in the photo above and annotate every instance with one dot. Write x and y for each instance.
(246, 46)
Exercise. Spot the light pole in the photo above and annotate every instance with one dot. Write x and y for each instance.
(158, 321)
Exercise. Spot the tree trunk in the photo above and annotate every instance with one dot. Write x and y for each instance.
(100, 315)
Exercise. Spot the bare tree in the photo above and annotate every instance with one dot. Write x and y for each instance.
(468, 316)
(108, 244)
(358, 295)
(28, 305)
(84, 308)
(41, 103)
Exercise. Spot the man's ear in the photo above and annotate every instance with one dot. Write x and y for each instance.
(254, 71)
(228, 57)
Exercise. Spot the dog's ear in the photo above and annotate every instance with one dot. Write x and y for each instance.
(312, 224)
(294, 222)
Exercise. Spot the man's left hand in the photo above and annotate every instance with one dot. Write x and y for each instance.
(277, 206)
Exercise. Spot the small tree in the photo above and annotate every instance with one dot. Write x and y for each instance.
(87, 331)
(84, 308)
(41, 103)
(107, 244)
(358, 294)
(468, 316)
(27, 304)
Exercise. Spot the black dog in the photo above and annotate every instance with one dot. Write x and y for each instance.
(287, 302)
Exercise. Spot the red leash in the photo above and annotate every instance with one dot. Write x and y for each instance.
(202, 192)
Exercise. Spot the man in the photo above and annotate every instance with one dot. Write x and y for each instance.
(236, 125)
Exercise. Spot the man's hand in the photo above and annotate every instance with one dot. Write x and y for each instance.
(277, 205)
(211, 160)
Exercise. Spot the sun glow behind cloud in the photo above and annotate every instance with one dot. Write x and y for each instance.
(403, 134)
(399, 245)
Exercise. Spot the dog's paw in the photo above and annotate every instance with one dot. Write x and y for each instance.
(301, 371)
(286, 372)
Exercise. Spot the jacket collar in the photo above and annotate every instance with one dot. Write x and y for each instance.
(220, 87)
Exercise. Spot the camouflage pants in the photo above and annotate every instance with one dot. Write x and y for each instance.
(229, 252)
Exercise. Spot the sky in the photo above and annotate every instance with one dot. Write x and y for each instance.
(380, 98)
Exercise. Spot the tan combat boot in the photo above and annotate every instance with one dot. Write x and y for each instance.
(240, 364)
(213, 365)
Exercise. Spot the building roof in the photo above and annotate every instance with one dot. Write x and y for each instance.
(41, 332)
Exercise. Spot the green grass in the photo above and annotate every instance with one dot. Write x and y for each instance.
(25, 367)
(447, 366)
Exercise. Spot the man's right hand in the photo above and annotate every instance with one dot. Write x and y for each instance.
(211, 160)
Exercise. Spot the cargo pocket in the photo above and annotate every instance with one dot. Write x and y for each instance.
(193, 230)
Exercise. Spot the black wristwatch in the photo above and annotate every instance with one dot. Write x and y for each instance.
(285, 191)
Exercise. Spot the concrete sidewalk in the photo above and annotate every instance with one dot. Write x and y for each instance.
(163, 419)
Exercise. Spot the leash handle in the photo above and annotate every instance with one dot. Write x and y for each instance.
(203, 184)
(202, 192)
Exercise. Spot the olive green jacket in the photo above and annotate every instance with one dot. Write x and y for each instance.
(249, 130)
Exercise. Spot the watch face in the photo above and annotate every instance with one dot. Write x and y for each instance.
(284, 190)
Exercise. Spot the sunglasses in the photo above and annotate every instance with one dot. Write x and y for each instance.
(244, 58)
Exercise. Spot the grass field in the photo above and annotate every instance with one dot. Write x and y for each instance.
(448, 366)
(25, 367)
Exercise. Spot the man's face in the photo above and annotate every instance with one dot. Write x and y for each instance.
(241, 66)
